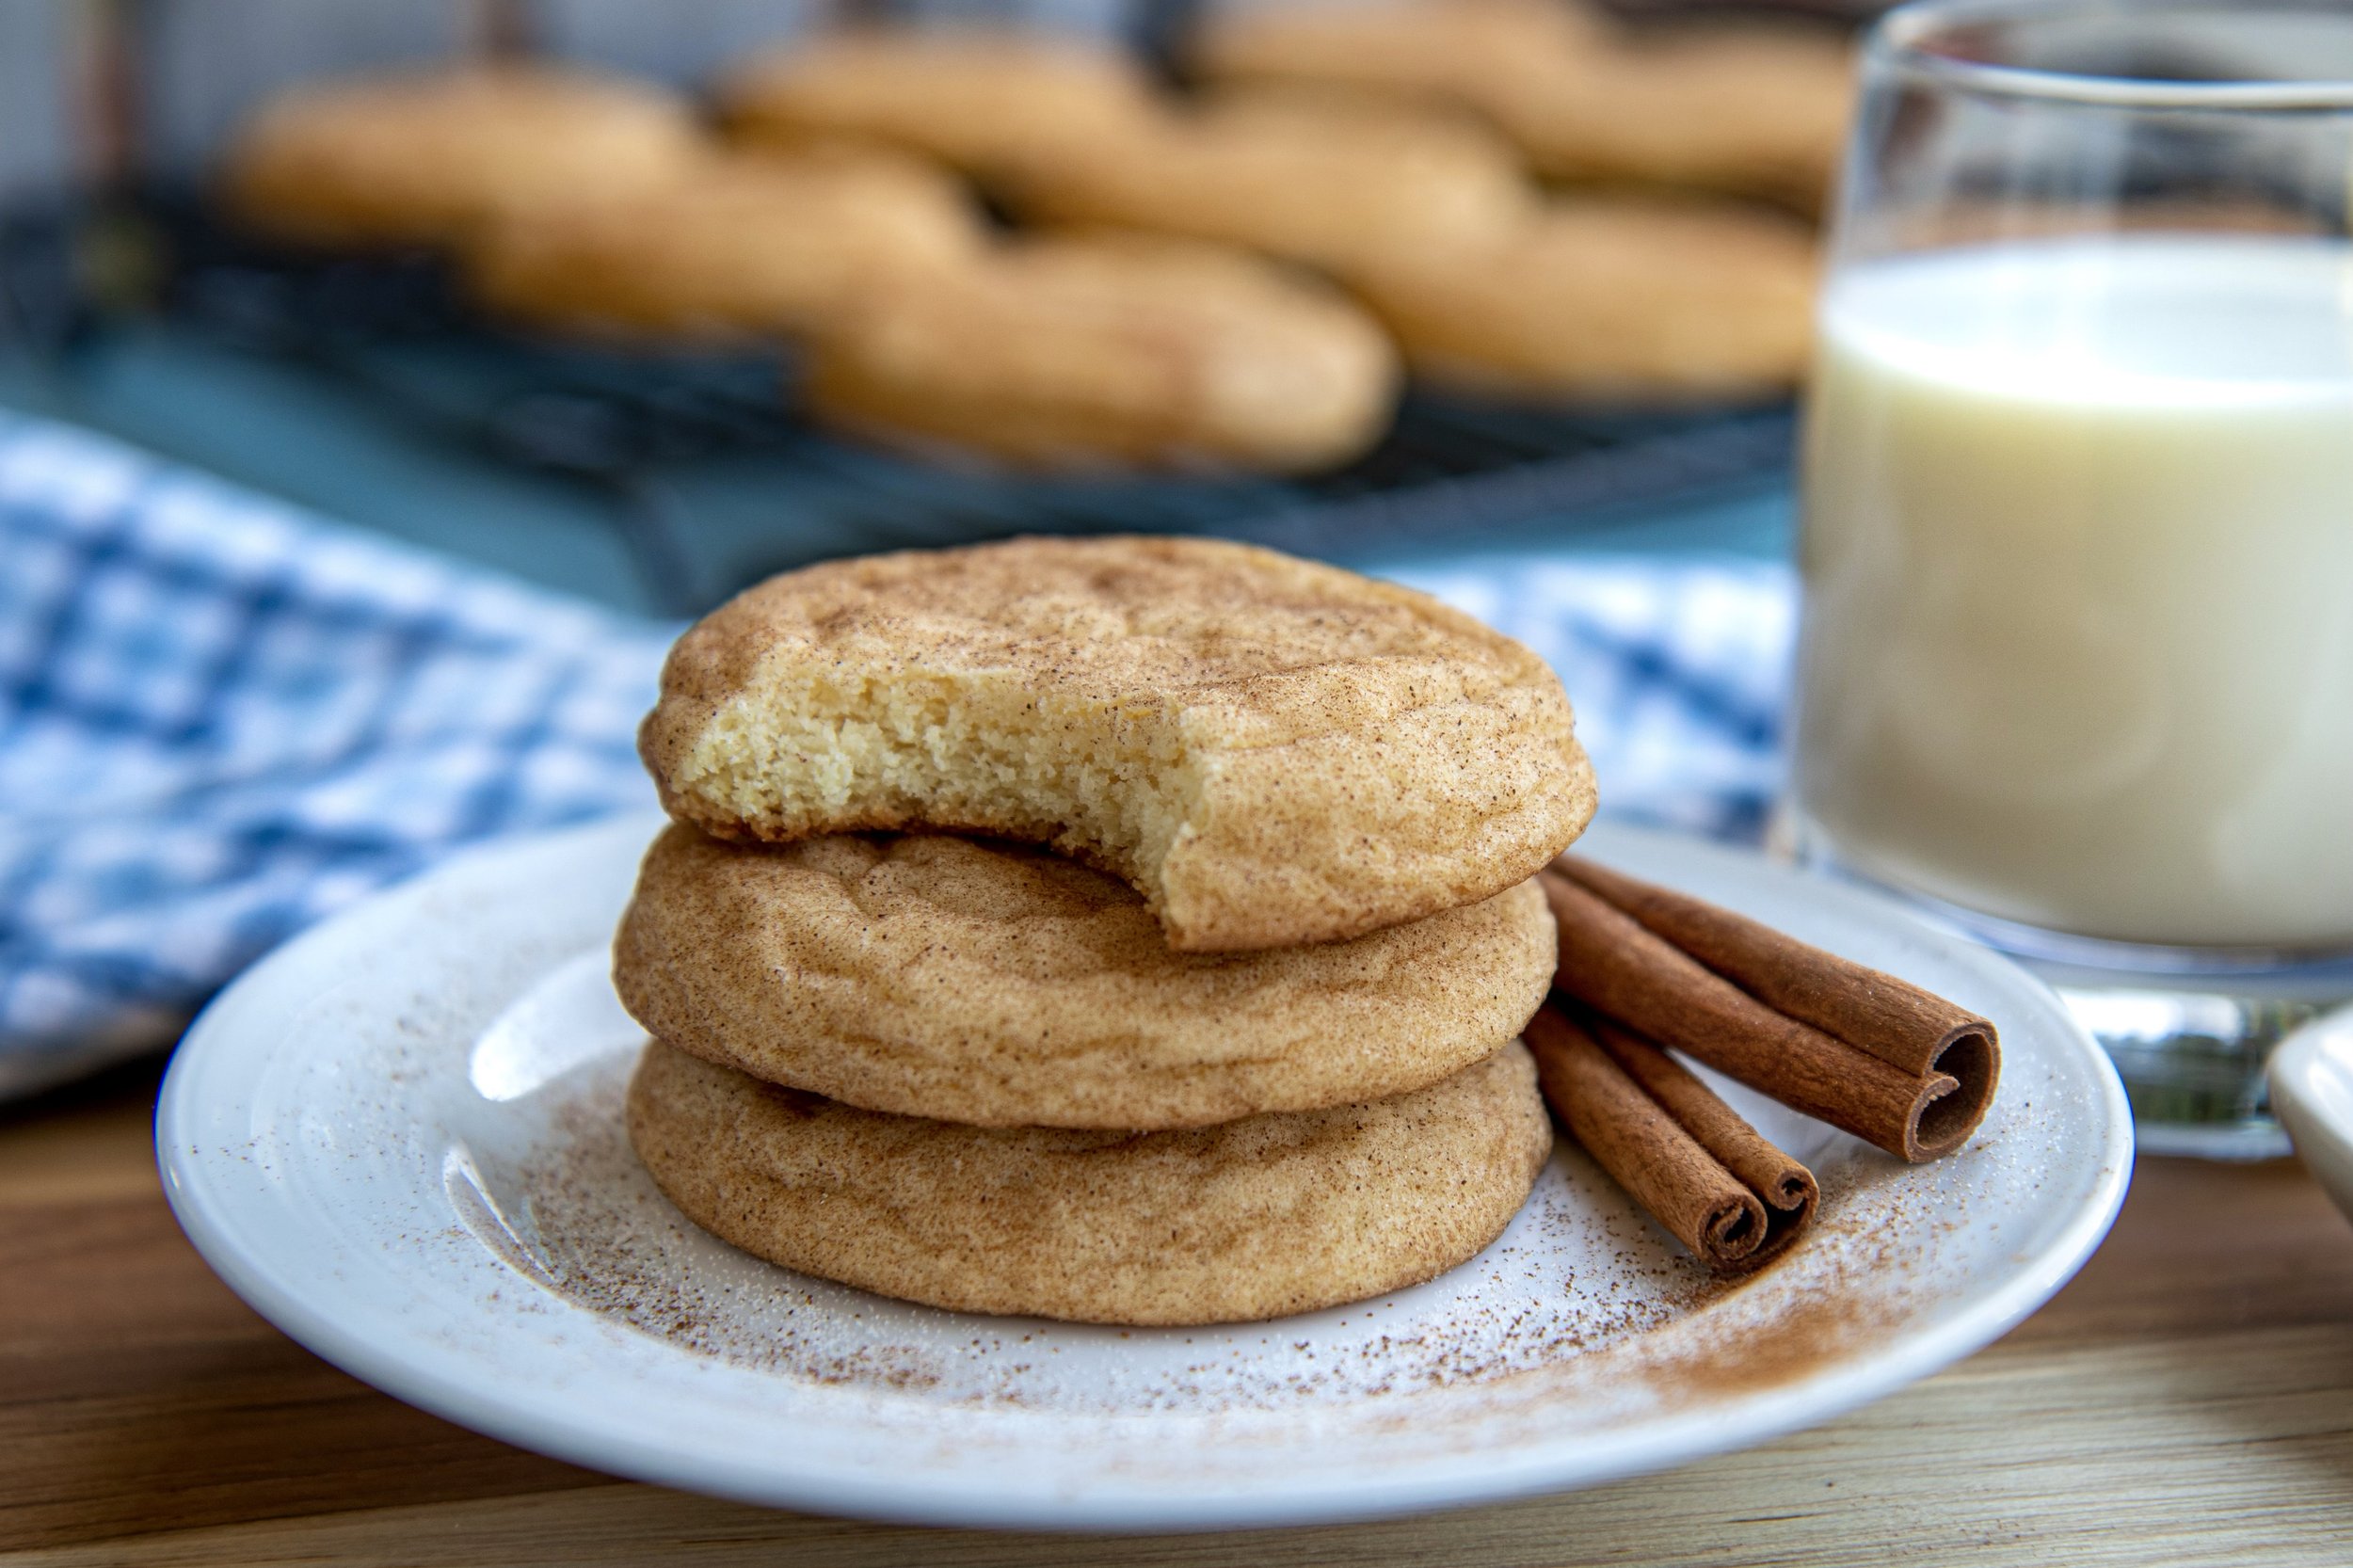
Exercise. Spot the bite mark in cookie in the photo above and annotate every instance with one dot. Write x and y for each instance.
(1272, 752)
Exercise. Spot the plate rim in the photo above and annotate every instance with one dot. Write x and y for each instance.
(1836, 1389)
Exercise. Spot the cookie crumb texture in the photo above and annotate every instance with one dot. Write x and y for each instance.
(1002, 985)
(1272, 752)
(1255, 1219)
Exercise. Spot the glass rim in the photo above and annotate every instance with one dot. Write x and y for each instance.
(1902, 38)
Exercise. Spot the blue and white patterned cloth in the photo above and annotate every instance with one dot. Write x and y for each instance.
(1678, 667)
(221, 719)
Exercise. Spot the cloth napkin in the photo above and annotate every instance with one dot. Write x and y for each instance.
(222, 719)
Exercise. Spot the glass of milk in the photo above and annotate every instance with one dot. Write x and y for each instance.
(2077, 662)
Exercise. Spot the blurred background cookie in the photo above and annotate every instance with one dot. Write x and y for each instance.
(995, 984)
(746, 243)
(988, 100)
(1105, 350)
(1444, 50)
(1323, 179)
(1644, 301)
(1750, 108)
(1258, 1217)
(1745, 110)
(421, 157)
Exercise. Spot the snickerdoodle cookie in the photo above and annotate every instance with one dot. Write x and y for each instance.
(1272, 752)
(1746, 110)
(1321, 180)
(1113, 351)
(1453, 50)
(744, 245)
(419, 158)
(995, 984)
(1610, 299)
(1252, 1219)
(987, 100)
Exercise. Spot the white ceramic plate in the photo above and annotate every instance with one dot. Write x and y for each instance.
(399, 1138)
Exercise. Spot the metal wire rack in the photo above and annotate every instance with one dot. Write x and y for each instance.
(714, 480)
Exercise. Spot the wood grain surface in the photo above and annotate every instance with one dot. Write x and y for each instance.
(2187, 1400)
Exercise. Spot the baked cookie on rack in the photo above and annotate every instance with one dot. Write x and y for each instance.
(1322, 179)
(1450, 50)
(746, 243)
(1271, 751)
(1610, 299)
(421, 158)
(1746, 109)
(988, 100)
(1107, 351)
(1252, 1219)
(1740, 109)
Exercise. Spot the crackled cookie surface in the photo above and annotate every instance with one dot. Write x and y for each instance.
(1252, 1219)
(1272, 752)
(998, 983)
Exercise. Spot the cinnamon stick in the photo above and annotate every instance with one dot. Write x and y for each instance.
(1613, 964)
(1722, 1190)
(1894, 1020)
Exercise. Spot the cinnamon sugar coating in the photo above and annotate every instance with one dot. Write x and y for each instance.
(998, 984)
(1253, 1218)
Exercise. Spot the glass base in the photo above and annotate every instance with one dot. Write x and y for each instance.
(2192, 1060)
(2189, 1029)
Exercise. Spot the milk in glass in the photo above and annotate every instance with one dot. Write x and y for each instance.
(2078, 545)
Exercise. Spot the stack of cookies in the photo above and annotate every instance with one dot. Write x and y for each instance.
(1125, 931)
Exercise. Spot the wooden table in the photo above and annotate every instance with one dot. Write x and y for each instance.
(2188, 1400)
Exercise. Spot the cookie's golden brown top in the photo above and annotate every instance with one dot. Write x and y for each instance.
(422, 156)
(984, 99)
(1273, 752)
(1110, 349)
(994, 984)
(1252, 1219)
